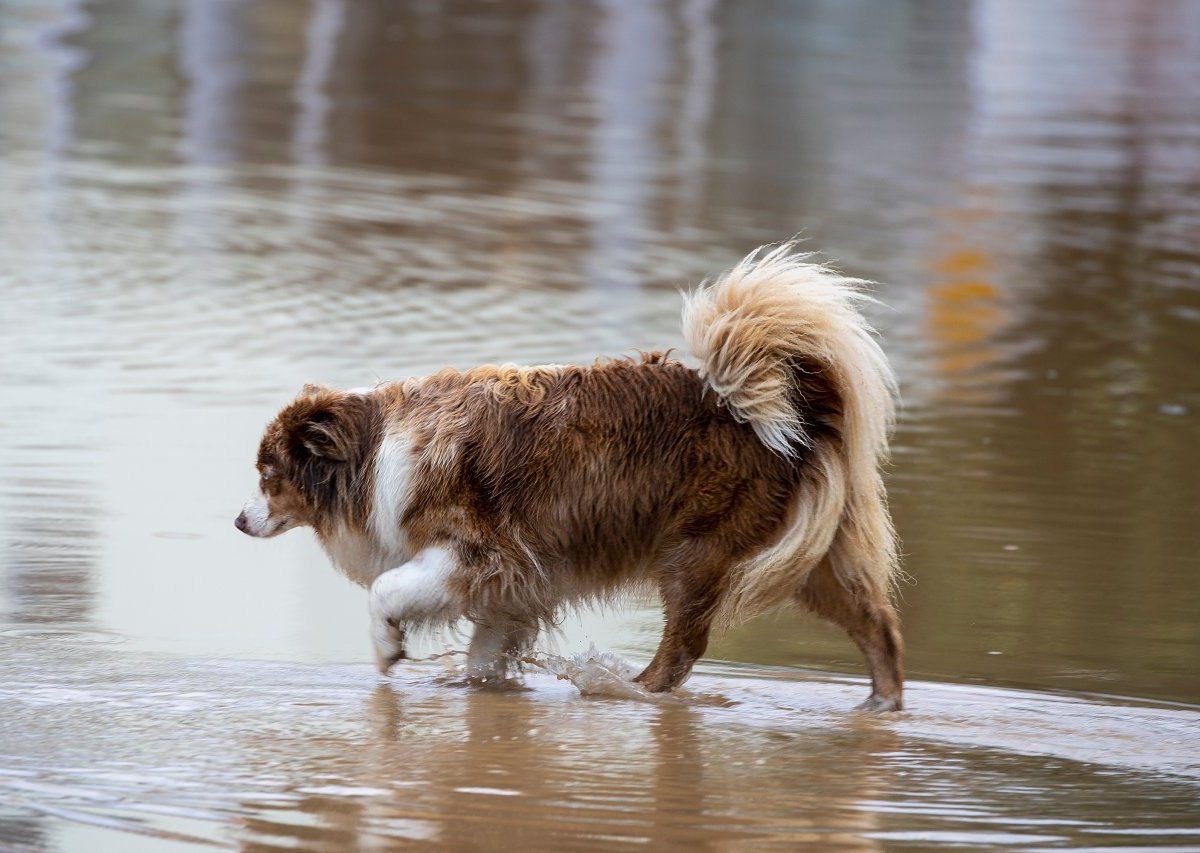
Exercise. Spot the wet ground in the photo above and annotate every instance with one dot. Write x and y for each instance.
(205, 204)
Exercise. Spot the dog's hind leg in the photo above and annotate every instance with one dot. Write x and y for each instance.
(691, 594)
(864, 612)
(494, 643)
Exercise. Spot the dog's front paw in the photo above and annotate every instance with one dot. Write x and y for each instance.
(388, 642)
(387, 637)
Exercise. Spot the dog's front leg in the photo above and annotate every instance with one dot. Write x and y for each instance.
(414, 594)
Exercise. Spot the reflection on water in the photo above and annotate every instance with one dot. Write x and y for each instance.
(329, 758)
(206, 204)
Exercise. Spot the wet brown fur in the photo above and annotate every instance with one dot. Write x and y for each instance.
(314, 457)
(561, 485)
(556, 485)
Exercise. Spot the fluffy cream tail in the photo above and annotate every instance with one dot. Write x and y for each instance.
(775, 329)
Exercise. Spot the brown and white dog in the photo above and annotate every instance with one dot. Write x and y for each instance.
(505, 494)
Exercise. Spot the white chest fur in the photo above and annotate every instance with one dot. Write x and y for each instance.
(391, 490)
(364, 556)
(360, 557)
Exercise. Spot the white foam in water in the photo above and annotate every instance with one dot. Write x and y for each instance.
(597, 673)
(592, 672)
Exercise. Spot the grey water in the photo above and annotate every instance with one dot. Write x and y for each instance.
(204, 205)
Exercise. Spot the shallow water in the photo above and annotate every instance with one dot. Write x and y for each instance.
(204, 205)
(329, 756)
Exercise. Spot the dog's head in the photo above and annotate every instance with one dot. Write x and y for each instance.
(312, 462)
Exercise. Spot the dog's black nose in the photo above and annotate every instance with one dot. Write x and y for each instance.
(240, 522)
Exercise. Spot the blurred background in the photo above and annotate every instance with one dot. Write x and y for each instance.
(206, 203)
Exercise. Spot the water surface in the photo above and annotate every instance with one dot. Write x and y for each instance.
(204, 205)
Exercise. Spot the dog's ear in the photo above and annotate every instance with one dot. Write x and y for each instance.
(324, 424)
(322, 435)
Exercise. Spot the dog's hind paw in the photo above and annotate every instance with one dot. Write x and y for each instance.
(877, 704)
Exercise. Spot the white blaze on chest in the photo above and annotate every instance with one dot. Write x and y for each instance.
(392, 488)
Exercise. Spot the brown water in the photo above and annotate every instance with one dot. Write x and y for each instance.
(205, 204)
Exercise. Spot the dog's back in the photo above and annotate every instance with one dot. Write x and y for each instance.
(572, 481)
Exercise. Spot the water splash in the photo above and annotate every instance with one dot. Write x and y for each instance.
(596, 673)
(593, 672)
